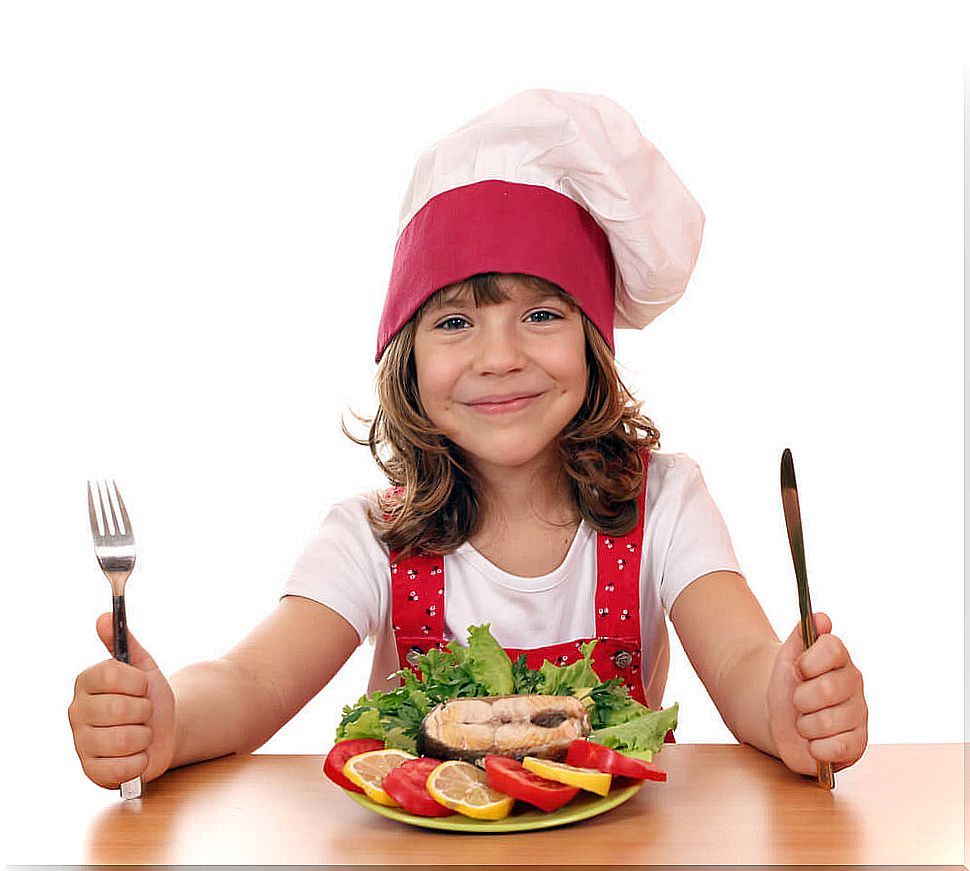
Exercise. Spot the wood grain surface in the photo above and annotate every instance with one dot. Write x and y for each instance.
(722, 804)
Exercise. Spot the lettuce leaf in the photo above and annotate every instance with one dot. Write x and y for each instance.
(640, 734)
(611, 704)
(393, 717)
(568, 680)
(488, 663)
(483, 668)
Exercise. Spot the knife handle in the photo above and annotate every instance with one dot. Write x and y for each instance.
(826, 778)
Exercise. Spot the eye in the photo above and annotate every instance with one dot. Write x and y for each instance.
(544, 316)
(448, 323)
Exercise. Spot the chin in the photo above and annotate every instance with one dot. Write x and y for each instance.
(513, 454)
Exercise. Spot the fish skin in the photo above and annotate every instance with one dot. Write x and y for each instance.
(468, 729)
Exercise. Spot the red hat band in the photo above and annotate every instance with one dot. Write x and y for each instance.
(499, 226)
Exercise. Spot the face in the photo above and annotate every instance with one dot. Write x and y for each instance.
(503, 380)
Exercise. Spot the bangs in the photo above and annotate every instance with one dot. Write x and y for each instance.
(486, 289)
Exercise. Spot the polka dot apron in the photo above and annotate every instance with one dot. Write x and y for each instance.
(418, 606)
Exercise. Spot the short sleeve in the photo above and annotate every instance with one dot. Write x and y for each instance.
(688, 535)
(345, 567)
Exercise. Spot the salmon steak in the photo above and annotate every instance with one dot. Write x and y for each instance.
(525, 725)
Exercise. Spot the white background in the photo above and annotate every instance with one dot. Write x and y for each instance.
(198, 204)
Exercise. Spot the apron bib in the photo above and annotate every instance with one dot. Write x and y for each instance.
(418, 610)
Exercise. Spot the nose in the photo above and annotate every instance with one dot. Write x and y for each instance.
(499, 350)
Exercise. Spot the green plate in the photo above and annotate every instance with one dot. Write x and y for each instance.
(522, 818)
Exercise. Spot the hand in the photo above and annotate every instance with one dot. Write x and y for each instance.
(122, 716)
(816, 707)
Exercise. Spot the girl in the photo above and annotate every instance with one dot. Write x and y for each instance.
(527, 488)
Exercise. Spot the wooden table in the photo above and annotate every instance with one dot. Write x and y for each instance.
(722, 804)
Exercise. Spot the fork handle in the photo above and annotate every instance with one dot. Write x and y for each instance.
(130, 788)
(120, 625)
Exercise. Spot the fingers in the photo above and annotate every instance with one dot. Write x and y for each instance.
(827, 690)
(822, 715)
(841, 750)
(111, 710)
(827, 653)
(112, 677)
(111, 754)
(823, 623)
(116, 710)
(113, 742)
(108, 715)
(832, 715)
(111, 773)
(109, 694)
(833, 721)
(793, 646)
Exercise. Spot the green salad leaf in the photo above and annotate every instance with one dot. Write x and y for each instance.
(483, 668)
(525, 680)
(393, 717)
(639, 735)
(568, 680)
(488, 663)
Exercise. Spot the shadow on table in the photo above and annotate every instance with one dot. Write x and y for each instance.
(828, 829)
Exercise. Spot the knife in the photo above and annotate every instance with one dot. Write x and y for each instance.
(793, 520)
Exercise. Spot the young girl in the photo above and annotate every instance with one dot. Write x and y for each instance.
(527, 488)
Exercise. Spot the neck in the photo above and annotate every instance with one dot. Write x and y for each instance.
(536, 492)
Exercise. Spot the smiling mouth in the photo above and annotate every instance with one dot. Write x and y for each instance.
(508, 405)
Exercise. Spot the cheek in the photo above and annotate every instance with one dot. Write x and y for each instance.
(571, 369)
(434, 383)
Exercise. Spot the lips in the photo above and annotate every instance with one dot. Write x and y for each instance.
(498, 400)
(502, 404)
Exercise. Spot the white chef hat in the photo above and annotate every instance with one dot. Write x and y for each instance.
(558, 185)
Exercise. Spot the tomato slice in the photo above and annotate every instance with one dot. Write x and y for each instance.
(333, 765)
(508, 775)
(589, 754)
(406, 785)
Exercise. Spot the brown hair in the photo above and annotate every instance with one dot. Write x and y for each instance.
(435, 504)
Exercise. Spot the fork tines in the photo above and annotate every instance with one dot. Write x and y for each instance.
(115, 532)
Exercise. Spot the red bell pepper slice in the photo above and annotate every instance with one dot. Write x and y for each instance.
(333, 765)
(508, 776)
(406, 785)
(589, 754)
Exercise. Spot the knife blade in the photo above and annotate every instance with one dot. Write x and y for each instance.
(793, 522)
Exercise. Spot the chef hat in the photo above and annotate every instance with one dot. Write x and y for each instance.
(556, 185)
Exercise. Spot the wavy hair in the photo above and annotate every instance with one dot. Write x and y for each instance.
(435, 500)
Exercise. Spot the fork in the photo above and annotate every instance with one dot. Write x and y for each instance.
(115, 550)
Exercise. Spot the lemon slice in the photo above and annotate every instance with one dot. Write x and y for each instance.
(368, 771)
(464, 788)
(584, 778)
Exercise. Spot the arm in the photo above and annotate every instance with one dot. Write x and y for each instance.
(801, 706)
(236, 703)
(129, 720)
(732, 647)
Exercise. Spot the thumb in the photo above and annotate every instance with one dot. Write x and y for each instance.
(140, 658)
(793, 646)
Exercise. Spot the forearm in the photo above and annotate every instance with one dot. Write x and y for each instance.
(220, 709)
(743, 689)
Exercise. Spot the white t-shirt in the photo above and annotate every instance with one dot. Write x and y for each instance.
(346, 567)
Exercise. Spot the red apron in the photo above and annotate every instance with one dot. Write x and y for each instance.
(418, 609)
